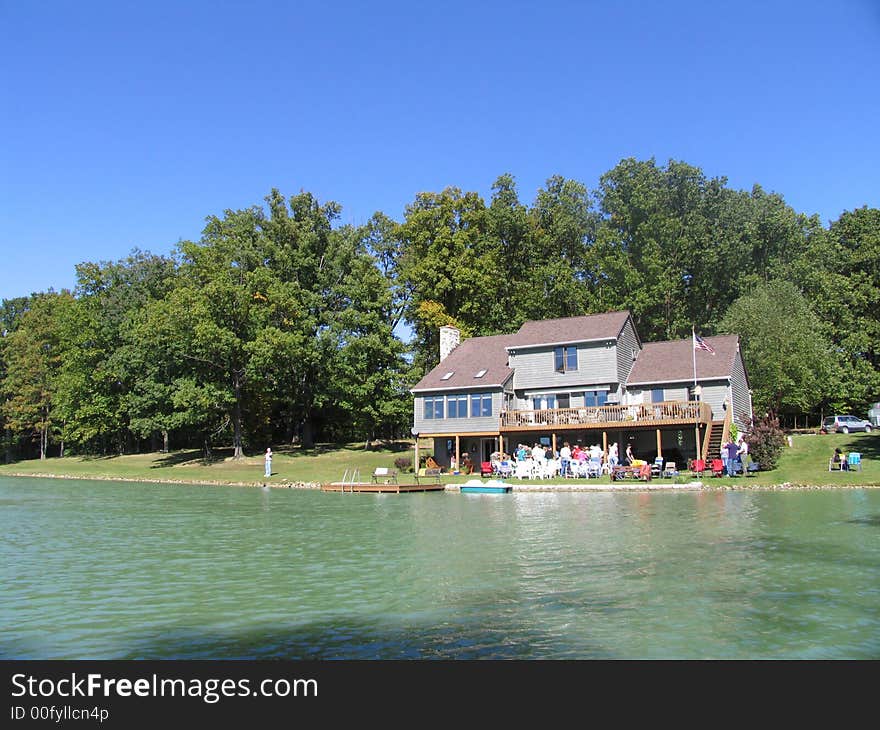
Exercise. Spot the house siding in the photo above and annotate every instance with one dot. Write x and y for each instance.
(534, 369)
(715, 394)
(675, 392)
(741, 399)
(427, 426)
(626, 343)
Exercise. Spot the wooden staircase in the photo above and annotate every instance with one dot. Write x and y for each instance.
(712, 440)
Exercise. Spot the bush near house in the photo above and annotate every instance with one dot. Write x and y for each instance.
(766, 440)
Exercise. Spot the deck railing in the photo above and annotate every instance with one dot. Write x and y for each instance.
(598, 416)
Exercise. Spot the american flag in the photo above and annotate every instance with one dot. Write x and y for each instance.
(700, 344)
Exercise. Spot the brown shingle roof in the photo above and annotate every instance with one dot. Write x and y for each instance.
(466, 360)
(673, 361)
(571, 329)
(476, 353)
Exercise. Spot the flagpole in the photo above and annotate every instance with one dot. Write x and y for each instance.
(696, 394)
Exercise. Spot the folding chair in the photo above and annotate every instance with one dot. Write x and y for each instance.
(671, 470)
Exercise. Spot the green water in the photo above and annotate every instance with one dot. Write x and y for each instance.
(114, 570)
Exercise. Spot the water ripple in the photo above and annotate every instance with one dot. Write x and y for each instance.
(104, 570)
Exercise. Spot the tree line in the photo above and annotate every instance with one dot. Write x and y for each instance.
(279, 325)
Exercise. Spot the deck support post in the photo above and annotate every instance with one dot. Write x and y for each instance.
(659, 444)
(457, 454)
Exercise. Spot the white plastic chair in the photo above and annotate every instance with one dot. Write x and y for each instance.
(524, 470)
(551, 469)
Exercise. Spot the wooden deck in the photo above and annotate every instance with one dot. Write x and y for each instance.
(653, 415)
(372, 488)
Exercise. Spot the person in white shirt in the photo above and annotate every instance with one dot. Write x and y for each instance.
(564, 458)
(538, 453)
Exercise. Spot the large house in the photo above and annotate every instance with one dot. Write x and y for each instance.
(587, 380)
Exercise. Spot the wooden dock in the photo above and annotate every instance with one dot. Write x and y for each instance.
(373, 488)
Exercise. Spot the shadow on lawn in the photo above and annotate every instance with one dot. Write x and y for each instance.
(868, 445)
(194, 457)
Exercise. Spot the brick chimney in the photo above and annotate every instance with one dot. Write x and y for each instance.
(449, 339)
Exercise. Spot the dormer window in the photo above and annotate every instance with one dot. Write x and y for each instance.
(448, 375)
(481, 373)
(566, 359)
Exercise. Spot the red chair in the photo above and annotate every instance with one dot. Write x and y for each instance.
(717, 467)
(485, 469)
(698, 466)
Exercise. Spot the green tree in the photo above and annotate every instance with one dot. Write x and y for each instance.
(449, 258)
(32, 354)
(787, 355)
(96, 374)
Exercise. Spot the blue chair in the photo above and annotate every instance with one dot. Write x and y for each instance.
(854, 461)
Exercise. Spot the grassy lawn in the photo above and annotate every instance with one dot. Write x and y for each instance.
(806, 464)
(325, 463)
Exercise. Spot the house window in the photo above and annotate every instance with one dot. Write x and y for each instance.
(595, 398)
(657, 395)
(566, 359)
(542, 402)
(481, 405)
(480, 373)
(563, 400)
(456, 406)
(433, 407)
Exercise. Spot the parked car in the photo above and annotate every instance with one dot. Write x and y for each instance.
(845, 424)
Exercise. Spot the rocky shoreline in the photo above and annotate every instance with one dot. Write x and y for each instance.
(191, 482)
(523, 487)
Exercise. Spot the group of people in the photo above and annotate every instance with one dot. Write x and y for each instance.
(568, 457)
(733, 453)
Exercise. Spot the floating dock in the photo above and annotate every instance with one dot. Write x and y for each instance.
(372, 488)
(503, 489)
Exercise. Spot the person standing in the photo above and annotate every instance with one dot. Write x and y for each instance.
(612, 454)
(743, 454)
(732, 451)
(630, 458)
(564, 458)
(538, 453)
(267, 463)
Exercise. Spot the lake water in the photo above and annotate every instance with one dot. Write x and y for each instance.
(110, 570)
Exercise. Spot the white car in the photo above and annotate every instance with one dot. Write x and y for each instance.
(845, 424)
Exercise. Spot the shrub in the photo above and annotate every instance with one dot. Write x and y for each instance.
(766, 441)
(403, 463)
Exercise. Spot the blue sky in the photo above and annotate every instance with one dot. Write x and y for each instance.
(124, 124)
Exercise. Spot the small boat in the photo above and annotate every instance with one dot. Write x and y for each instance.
(493, 486)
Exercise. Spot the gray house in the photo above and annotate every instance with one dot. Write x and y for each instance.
(587, 380)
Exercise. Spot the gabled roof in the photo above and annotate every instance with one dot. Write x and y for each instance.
(571, 329)
(468, 359)
(673, 361)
